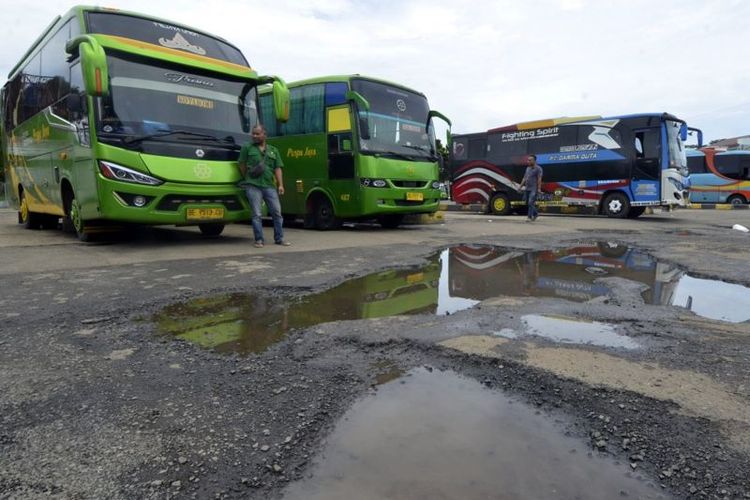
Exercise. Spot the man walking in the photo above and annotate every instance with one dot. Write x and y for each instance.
(532, 183)
(260, 163)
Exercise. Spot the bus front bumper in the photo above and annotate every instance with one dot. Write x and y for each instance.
(171, 203)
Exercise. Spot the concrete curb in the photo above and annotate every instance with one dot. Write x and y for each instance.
(481, 208)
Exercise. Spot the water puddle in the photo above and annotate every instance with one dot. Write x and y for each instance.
(455, 279)
(480, 272)
(571, 331)
(713, 299)
(439, 435)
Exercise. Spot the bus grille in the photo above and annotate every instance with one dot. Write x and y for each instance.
(411, 184)
(173, 202)
(407, 203)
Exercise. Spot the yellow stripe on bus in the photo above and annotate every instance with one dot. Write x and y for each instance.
(175, 52)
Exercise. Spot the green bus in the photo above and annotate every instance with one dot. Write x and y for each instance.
(113, 117)
(355, 148)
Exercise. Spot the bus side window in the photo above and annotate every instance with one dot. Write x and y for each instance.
(639, 144)
(478, 148)
(745, 166)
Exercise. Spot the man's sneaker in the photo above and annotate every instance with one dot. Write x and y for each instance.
(258, 244)
(284, 243)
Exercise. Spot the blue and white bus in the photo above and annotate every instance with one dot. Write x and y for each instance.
(618, 165)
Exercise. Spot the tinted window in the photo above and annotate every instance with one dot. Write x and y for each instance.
(696, 164)
(728, 165)
(163, 34)
(306, 108)
(505, 145)
(478, 147)
(336, 93)
(55, 72)
(32, 85)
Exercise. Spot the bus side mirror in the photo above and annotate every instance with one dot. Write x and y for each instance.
(437, 114)
(363, 105)
(93, 64)
(683, 132)
(280, 100)
(699, 133)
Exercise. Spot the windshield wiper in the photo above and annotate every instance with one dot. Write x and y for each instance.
(395, 154)
(165, 133)
(430, 152)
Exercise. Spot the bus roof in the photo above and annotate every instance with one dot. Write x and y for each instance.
(551, 122)
(80, 10)
(346, 79)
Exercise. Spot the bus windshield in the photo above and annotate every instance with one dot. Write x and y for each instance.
(677, 155)
(156, 100)
(396, 120)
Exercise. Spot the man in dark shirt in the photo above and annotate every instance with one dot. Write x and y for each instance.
(262, 187)
(532, 183)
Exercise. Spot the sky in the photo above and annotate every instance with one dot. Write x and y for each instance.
(484, 64)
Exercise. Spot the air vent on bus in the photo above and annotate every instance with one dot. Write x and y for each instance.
(172, 202)
(411, 184)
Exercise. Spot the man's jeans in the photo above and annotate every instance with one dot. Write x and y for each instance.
(255, 196)
(531, 202)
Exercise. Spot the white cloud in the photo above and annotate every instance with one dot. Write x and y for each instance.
(484, 63)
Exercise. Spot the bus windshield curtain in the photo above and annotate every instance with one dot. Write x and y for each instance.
(306, 110)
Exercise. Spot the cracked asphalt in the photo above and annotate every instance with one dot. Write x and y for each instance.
(95, 403)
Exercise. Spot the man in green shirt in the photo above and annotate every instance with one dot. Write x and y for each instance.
(260, 186)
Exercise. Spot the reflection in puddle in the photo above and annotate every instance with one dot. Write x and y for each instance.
(480, 272)
(456, 279)
(713, 299)
(570, 331)
(385, 371)
(439, 435)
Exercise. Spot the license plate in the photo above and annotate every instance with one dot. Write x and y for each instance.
(414, 196)
(205, 213)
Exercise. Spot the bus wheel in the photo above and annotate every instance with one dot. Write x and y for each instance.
(616, 205)
(736, 199)
(29, 219)
(73, 222)
(635, 212)
(390, 221)
(500, 204)
(324, 216)
(213, 229)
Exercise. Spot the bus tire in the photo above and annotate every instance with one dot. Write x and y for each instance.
(499, 204)
(616, 205)
(736, 199)
(636, 212)
(211, 229)
(29, 219)
(73, 222)
(390, 221)
(324, 216)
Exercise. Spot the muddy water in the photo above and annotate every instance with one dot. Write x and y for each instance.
(456, 279)
(432, 435)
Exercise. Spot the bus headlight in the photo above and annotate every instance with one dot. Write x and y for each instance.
(435, 184)
(119, 173)
(378, 183)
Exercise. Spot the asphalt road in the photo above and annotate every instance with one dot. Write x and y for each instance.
(95, 403)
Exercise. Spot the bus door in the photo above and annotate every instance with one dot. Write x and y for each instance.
(341, 157)
(645, 177)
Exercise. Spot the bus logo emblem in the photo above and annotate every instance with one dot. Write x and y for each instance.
(202, 171)
(179, 42)
(401, 105)
(200, 153)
